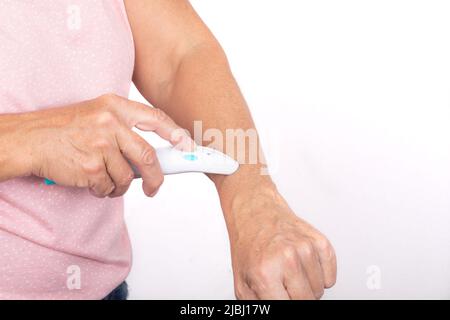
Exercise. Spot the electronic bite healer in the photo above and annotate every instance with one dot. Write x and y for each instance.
(202, 159)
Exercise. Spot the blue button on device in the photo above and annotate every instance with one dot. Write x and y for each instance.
(190, 157)
(49, 182)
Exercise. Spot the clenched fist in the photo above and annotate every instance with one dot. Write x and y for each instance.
(275, 254)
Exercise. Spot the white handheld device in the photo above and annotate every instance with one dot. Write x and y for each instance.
(202, 159)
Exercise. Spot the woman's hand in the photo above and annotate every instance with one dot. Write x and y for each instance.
(87, 144)
(275, 254)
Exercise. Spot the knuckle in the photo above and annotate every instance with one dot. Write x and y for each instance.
(107, 99)
(290, 255)
(305, 248)
(262, 275)
(289, 252)
(160, 115)
(324, 246)
(93, 167)
(148, 156)
(101, 143)
(106, 119)
(178, 135)
(126, 179)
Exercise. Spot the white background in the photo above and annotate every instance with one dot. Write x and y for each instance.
(352, 101)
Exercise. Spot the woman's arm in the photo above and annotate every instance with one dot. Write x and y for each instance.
(181, 68)
(15, 151)
(87, 144)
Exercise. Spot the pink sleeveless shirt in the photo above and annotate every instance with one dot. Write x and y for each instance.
(58, 242)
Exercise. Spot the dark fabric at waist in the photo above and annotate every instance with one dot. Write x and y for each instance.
(119, 293)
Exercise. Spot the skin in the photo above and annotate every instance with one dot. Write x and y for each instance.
(182, 70)
(86, 145)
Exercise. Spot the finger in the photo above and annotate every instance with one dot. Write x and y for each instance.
(276, 291)
(298, 286)
(312, 269)
(120, 172)
(327, 260)
(329, 267)
(100, 184)
(246, 293)
(143, 157)
(148, 118)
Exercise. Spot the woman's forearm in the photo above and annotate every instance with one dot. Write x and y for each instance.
(204, 89)
(15, 154)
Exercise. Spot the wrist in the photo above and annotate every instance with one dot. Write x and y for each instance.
(253, 210)
(247, 177)
(246, 198)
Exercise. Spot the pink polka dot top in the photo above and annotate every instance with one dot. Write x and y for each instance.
(58, 242)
